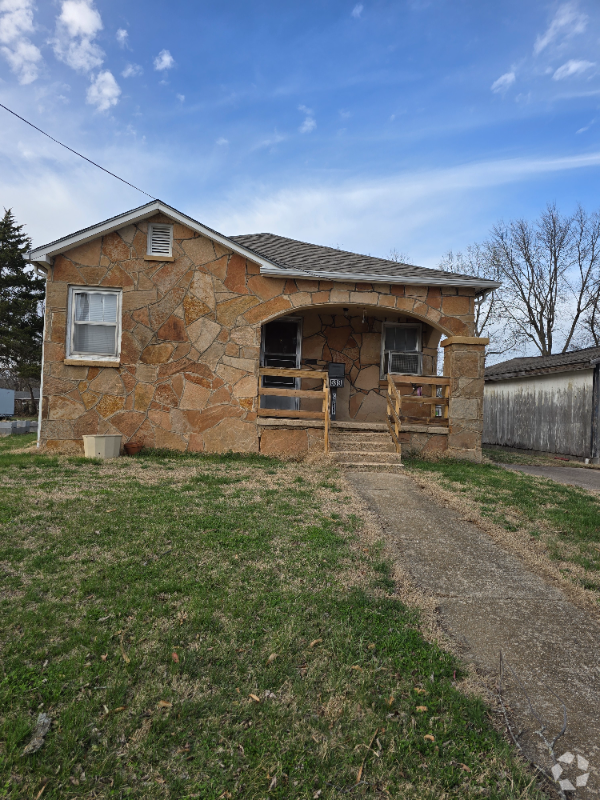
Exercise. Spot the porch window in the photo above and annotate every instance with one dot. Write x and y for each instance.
(94, 323)
(401, 349)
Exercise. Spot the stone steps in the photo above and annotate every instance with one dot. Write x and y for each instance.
(364, 449)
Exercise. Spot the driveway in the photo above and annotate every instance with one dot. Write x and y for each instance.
(571, 476)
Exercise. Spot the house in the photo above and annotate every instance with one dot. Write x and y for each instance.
(169, 333)
(546, 403)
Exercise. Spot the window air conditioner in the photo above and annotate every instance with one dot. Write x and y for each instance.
(405, 363)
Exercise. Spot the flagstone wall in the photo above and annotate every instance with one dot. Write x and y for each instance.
(187, 375)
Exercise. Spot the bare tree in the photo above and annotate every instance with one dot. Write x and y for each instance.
(398, 257)
(550, 274)
(478, 261)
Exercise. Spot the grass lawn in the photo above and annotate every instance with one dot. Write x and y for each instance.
(565, 519)
(215, 627)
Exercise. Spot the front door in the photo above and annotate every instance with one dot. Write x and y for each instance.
(280, 347)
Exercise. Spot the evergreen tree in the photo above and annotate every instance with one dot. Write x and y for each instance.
(21, 297)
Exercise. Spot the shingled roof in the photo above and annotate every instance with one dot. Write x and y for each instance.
(542, 365)
(313, 260)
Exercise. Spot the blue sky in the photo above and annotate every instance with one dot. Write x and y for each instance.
(412, 125)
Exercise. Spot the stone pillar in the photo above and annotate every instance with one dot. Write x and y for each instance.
(464, 364)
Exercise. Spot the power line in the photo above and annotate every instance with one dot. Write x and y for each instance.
(70, 149)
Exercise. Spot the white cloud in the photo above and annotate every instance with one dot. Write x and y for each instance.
(503, 83)
(180, 97)
(586, 127)
(357, 11)
(16, 20)
(103, 91)
(80, 18)
(122, 37)
(164, 60)
(572, 67)
(568, 21)
(132, 71)
(76, 27)
(221, 141)
(308, 125)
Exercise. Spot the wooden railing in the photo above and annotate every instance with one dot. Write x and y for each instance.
(312, 394)
(397, 401)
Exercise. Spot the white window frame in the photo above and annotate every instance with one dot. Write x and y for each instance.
(419, 350)
(151, 226)
(73, 354)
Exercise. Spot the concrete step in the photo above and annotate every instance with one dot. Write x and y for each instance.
(378, 446)
(365, 456)
(373, 467)
(372, 437)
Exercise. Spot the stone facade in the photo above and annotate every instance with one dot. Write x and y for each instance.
(191, 329)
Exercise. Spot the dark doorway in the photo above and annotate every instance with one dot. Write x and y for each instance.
(280, 348)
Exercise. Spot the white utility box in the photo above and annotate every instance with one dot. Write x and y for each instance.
(7, 402)
(102, 446)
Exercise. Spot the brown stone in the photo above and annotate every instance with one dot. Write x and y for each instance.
(118, 277)
(195, 396)
(454, 325)
(172, 330)
(58, 386)
(232, 350)
(235, 280)
(195, 443)
(319, 298)
(145, 434)
(203, 332)
(193, 309)
(127, 422)
(397, 291)
(373, 408)
(457, 305)
(231, 435)
(230, 310)
(92, 276)
(54, 351)
(170, 274)
(269, 309)
(63, 446)
(169, 440)
(115, 248)
(181, 351)
(110, 404)
(130, 350)
(86, 425)
(107, 381)
(61, 407)
(387, 301)
(56, 295)
(183, 232)
(203, 289)
(200, 250)
(177, 383)
(284, 443)
(465, 440)
(266, 287)
(128, 380)
(434, 297)
(248, 404)
(355, 404)
(87, 254)
(290, 287)
(161, 311)
(301, 299)
(338, 337)
(164, 394)
(212, 416)
(59, 327)
(307, 285)
(138, 299)
(436, 445)
(246, 387)
(157, 353)
(218, 268)
(144, 393)
(313, 346)
(57, 429)
(338, 295)
(368, 378)
(141, 315)
(364, 298)
(142, 335)
(64, 270)
(222, 395)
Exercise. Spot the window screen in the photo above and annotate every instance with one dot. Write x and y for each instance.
(401, 350)
(94, 323)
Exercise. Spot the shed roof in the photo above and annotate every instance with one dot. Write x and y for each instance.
(542, 365)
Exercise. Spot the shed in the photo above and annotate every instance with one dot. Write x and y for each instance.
(546, 404)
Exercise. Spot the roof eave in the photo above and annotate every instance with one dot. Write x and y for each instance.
(354, 277)
(44, 256)
(539, 372)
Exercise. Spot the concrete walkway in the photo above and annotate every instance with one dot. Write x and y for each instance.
(571, 476)
(488, 601)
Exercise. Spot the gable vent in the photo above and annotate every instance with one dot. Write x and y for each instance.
(160, 240)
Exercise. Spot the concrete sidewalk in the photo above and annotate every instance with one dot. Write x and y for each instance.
(488, 601)
(571, 476)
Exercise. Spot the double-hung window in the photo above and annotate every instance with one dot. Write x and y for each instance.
(94, 330)
(401, 349)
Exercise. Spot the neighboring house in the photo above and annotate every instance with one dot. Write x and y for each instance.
(157, 328)
(546, 403)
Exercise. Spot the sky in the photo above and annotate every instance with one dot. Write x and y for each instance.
(412, 125)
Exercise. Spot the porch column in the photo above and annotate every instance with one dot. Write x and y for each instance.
(464, 364)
